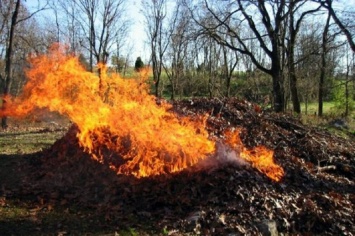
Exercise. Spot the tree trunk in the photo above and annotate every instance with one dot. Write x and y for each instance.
(8, 63)
(91, 42)
(172, 97)
(210, 71)
(228, 86)
(293, 80)
(294, 94)
(210, 84)
(99, 72)
(278, 92)
(321, 85)
(347, 92)
(173, 81)
(277, 85)
(306, 105)
(323, 67)
(157, 83)
(291, 65)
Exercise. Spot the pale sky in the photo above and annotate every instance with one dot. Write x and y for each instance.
(137, 33)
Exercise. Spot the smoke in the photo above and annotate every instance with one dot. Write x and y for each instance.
(223, 156)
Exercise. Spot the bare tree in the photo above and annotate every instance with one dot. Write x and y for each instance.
(227, 26)
(230, 62)
(323, 65)
(307, 66)
(96, 25)
(178, 48)
(294, 27)
(348, 79)
(328, 4)
(211, 62)
(273, 26)
(155, 12)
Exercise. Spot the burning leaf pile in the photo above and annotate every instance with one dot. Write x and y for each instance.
(209, 166)
(117, 117)
(113, 113)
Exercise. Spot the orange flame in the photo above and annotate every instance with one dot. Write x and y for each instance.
(260, 157)
(119, 122)
(122, 117)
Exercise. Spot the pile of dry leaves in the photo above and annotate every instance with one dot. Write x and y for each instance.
(316, 195)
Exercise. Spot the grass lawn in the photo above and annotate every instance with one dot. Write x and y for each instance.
(330, 113)
(312, 108)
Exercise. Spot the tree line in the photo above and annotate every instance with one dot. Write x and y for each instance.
(275, 51)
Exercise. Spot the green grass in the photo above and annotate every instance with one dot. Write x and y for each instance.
(27, 142)
(312, 108)
(330, 112)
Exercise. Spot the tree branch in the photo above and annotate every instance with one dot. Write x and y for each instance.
(328, 5)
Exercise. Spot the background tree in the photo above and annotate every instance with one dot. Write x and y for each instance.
(349, 104)
(177, 50)
(345, 21)
(307, 66)
(138, 65)
(94, 25)
(230, 62)
(294, 25)
(323, 68)
(119, 63)
(155, 13)
(271, 16)
(328, 4)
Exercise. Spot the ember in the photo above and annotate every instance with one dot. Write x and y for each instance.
(117, 117)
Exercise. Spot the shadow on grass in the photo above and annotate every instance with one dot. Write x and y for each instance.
(34, 203)
(56, 222)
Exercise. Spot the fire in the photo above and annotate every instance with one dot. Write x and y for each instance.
(121, 117)
(119, 122)
(260, 157)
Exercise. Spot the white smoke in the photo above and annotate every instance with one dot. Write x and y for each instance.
(223, 156)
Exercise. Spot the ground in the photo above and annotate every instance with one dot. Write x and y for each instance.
(57, 189)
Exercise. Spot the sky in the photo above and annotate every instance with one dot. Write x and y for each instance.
(136, 36)
(137, 31)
